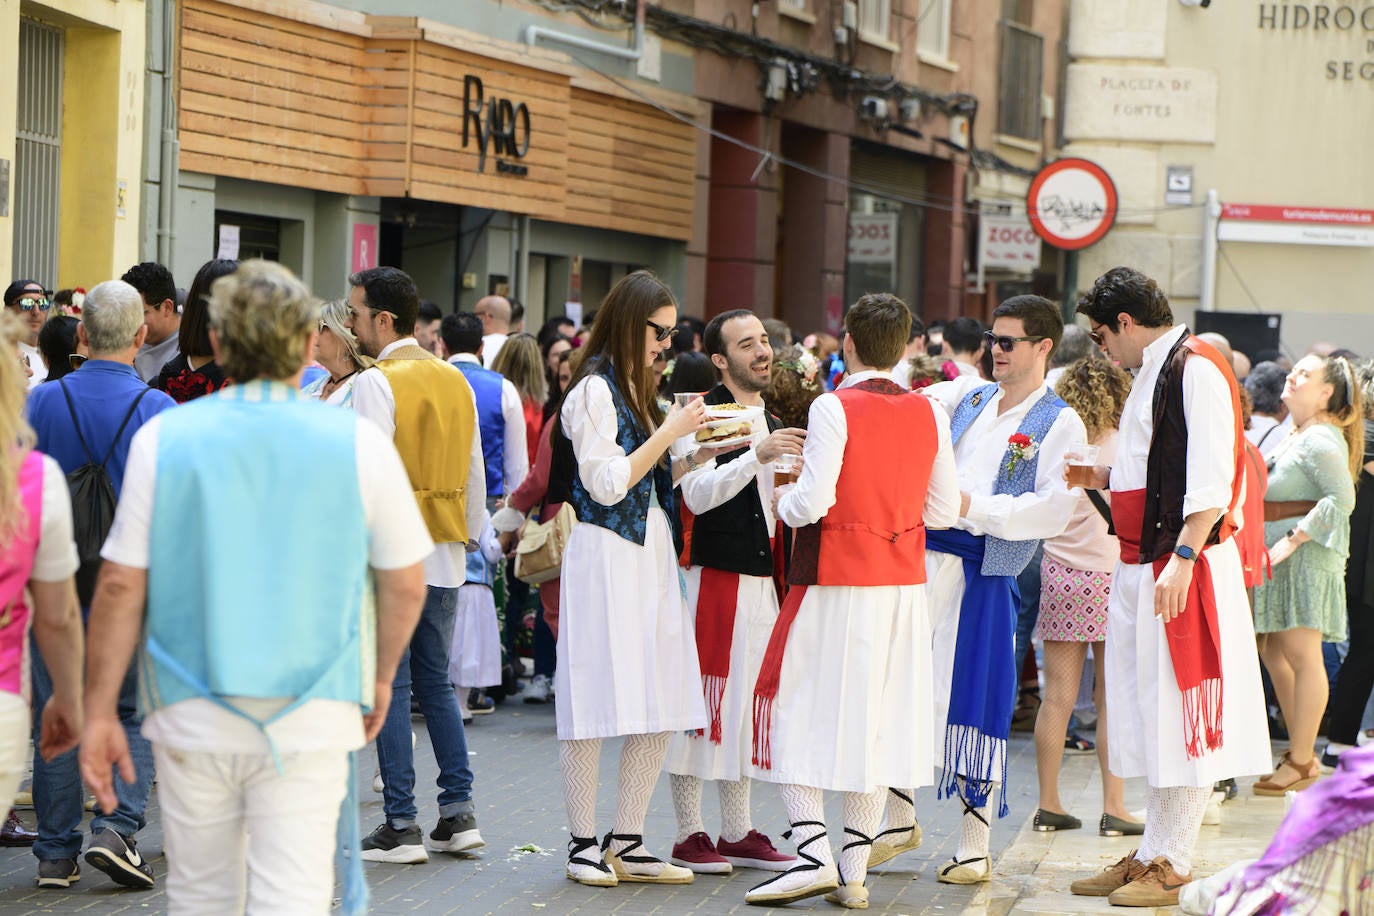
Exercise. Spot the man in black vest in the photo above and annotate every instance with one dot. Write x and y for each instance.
(731, 586)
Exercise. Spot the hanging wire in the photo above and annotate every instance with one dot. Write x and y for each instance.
(929, 202)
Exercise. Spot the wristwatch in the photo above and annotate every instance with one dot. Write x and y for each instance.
(1186, 552)
(691, 459)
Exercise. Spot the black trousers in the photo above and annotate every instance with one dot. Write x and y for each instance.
(1356, 680)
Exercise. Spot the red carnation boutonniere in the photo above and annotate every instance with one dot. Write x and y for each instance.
(1019, 447)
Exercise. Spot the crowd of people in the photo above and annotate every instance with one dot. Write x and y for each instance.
(822, 563)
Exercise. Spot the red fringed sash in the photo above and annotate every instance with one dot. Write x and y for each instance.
(1194, 638)
(717, 602)
(766, 690)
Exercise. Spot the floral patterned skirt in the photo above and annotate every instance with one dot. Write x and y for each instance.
(1073, 603)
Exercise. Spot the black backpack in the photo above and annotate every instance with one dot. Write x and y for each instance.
(93, 502)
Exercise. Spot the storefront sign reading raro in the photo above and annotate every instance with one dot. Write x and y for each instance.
(498, 124)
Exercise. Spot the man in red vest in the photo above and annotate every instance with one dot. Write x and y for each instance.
(1180, 640)
(838, 701)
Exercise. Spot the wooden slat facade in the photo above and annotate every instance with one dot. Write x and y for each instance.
(295, 102)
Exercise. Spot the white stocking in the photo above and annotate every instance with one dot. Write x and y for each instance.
(686, 805)
(806, 807)
(863, 812)
(1173, 818)
(579, 762)
(640, 762)
(900, 814)
(735, 820)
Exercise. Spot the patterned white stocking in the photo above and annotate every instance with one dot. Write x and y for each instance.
(735, 819)
(863, 812)
(686, 805)
(1173, 818)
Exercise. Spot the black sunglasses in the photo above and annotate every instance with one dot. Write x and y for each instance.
(1095, 335)
(29, 305)
(1006, 343)
(660, 332)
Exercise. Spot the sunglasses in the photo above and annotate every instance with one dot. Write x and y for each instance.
(29, 305)
(660, 332)
(1006, 343)
(1095, 335)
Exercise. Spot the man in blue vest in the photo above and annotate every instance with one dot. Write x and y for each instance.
(1010, 439)
(278, 550)
(499, 414)
(84, 418)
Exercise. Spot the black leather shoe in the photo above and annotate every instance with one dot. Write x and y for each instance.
(1048, 821)
(1115, 826)
(14, 833)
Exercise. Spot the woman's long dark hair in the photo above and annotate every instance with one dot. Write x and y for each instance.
(618, 336)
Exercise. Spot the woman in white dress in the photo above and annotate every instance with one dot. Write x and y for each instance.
(627, 662)
(336, 349)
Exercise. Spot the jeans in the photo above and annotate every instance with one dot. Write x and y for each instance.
(58, 796)
(1028, 583)
(424, 666)
(517, 596)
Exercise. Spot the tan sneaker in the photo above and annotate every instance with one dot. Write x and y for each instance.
(1158, 885)
(1110, 878)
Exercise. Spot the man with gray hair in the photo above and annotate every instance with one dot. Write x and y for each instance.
(89, 417)
(1075, 346)
(256, 687)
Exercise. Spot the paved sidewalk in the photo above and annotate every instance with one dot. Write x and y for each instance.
(1034, 874)
(519, 802)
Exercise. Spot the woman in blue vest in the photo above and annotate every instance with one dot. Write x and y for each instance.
(627, 661)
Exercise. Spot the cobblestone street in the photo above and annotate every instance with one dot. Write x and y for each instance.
(519, 802)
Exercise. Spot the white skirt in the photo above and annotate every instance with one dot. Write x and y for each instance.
(945, 586)
(474, 657)
(691, 755)
(850, 715)
(627, 653)
(1144, 705)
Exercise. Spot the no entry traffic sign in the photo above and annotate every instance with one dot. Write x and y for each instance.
(1071, 203)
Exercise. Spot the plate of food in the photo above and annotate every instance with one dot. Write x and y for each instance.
(730, 424)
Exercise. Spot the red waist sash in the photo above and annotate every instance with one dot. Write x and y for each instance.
(1193, 636)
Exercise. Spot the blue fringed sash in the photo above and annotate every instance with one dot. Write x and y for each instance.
(984, 685)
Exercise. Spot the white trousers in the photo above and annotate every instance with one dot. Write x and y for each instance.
(242, 838)
(15, 725)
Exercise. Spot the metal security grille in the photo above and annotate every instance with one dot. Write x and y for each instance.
(1023, 58)
(38, 152)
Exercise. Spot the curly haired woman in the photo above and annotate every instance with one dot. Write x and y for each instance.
(795, 383)
(1076, 580)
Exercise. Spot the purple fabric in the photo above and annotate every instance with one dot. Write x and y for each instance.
(1323, 813)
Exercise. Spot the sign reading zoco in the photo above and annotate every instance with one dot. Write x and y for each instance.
(500, 124)
(1071, 203)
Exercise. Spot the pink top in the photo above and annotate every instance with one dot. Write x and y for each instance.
(16, 564)
(1084, 544)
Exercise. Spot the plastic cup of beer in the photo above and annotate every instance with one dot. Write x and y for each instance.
(1082, 465)
(786, 469)
(683, 398)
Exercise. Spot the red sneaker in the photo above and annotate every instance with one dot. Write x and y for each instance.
(755, 851)
(697, 853)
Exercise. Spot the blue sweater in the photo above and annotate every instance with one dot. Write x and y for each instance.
(101, 392)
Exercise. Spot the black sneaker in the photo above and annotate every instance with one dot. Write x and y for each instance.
(1330, 758)
(1229, 787)
(399, 847)
(58, 873)
(456, 834)
(119, 858)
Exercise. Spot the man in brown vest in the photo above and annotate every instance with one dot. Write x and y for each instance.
(429, 408)
(1180, 641)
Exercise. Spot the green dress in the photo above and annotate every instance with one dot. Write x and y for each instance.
(1308, 588)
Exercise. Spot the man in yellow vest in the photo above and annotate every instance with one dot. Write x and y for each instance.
(430, 409)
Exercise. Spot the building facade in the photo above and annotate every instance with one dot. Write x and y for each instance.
(1266, 103)
(333, 139)
(71, 139)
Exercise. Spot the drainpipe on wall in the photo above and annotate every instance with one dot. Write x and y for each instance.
(536, 32)
(167, 177)
(1211, 218)
(522, 264)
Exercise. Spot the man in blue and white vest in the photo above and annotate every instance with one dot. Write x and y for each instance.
(279, 550)
(500, 416)
(1010, 439)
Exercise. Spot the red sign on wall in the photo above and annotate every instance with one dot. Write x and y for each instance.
(364, 246)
